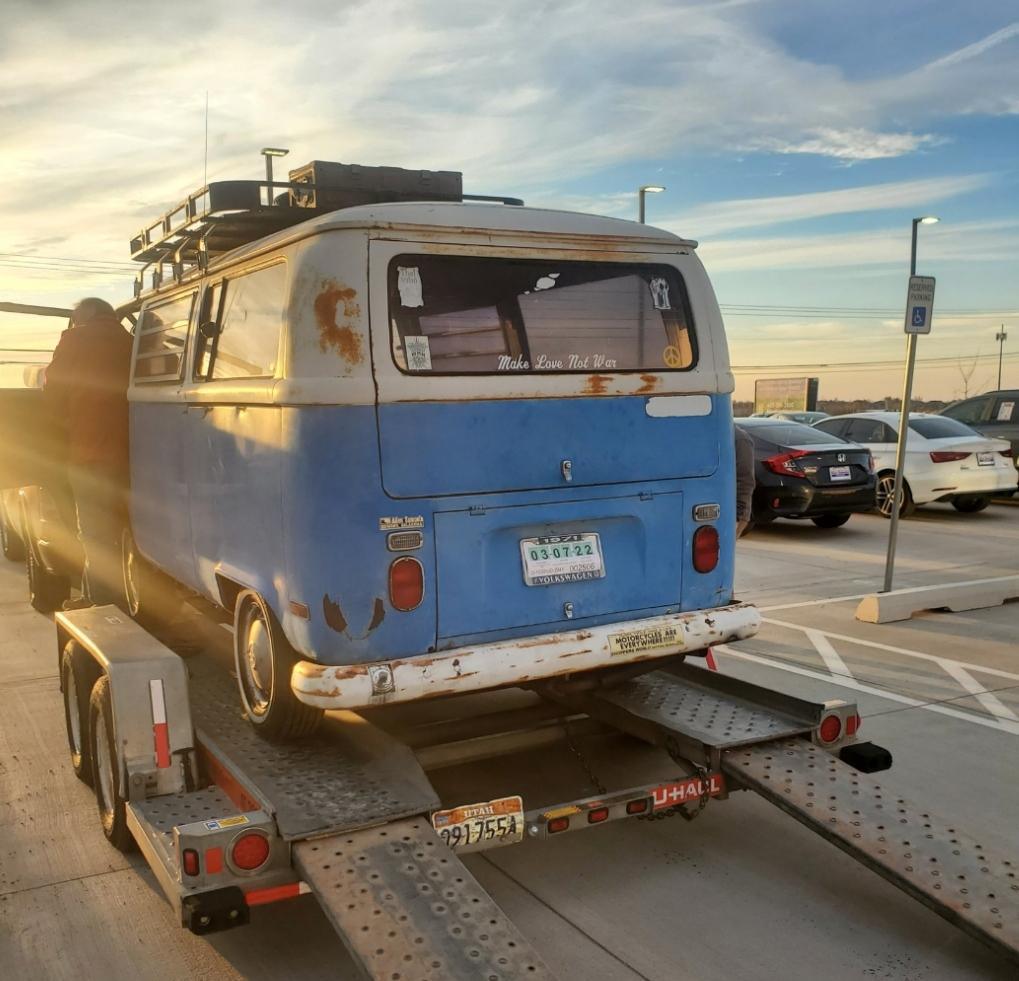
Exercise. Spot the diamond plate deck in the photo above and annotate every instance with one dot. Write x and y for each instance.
(701, 712)
(409, 910)
(920, 853)
(349, 776)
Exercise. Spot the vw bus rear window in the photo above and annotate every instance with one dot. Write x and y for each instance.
(453, 314)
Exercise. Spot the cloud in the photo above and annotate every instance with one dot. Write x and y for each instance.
(851, 144)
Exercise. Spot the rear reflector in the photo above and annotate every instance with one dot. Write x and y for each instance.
(853, 724)
(830, 729)
(250, 851)
(637, 806)
(947, 456)
(558, 824)
(705, 548)
(189, 859)
(597, 815)
(406, 584)
(213, 861)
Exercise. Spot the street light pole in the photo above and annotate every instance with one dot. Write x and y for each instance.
(641, 192)
(907, 397)
(1000, 337)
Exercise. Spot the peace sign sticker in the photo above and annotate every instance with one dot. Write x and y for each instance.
(672, 356)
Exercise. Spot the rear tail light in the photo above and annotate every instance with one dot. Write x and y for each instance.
(947, 456)
(406, 583)
(1007, 452)
(638, 806)
(558, 824)
(830, 729)
(785, 464)
(597, 815)
(250, 851)
(853, 724)
(705, 548)
(870, 463)
(189, 859)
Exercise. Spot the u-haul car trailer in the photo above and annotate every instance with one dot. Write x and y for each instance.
(228, 821)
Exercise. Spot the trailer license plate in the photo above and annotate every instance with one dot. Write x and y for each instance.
(476, 826)
(557, 559)
(839, 473)
(985, 459)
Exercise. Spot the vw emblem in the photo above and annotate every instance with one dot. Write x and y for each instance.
(842, 458)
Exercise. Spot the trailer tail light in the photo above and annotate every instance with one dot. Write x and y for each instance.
(830, 729)
(558, 824)
(785, 464)
(1007, 452)
(406, 584)
(705, 548)
(250, 851)
(637, 806)
(947, 456)
(597, 815)
(189, 860)
(853, 724)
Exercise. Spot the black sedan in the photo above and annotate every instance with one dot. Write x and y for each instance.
(802, 472)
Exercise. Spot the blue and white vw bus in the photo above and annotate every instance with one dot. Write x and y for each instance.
(420, 449)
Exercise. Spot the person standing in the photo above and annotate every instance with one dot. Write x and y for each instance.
(745, 480)
(86, 390)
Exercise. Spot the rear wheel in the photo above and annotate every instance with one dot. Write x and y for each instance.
(886, 491)
(148, 594)
(970, 505)
(831, 520)
(76, 677)
(106, 767)
(264, 659)
(10, 539)
(46, 590)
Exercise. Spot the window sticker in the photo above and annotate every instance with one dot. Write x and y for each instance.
(1005, 411)
(419, 352)
(660, 293)
(409, 285)
(546, 282)
(672, 356)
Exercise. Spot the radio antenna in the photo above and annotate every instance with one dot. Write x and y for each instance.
(205, 173)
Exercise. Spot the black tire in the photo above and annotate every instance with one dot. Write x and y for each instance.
(831, 520)
(10, 538)
(263, 660)
(885, 492)
(46, 590)
(970, 505)
(149, 596)
(76, 678)
(106, 767)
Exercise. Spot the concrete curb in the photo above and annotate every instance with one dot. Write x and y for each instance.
(901, 604)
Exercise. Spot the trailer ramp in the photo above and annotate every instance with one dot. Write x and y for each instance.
(409, 910)
(924, 855)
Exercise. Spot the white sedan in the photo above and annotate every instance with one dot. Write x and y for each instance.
(945, 459)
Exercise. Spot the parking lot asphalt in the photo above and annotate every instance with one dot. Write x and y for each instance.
(741, 893)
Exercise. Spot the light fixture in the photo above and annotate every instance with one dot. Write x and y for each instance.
(269, 152)
(929, 220)
(641, 191)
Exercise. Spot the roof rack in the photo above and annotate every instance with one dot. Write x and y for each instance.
(224, 215)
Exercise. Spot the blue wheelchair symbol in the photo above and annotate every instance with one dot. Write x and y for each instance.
(919, 316)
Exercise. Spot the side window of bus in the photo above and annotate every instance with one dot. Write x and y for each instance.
(241, 324)
(163, 335)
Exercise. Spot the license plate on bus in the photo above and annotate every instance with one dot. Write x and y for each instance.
(557, 559)
(474, 826)
(985, 459)
(840, 473)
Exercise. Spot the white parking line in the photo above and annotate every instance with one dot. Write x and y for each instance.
(1001, 725)
(815, 602)
(829, 655)
(990, 702)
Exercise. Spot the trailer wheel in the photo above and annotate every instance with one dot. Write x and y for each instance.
(264, 659)
(76, 677)
(105, 767)
(46, 590)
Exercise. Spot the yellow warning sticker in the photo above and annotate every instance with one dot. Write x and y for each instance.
(648, 639)
(228, 822)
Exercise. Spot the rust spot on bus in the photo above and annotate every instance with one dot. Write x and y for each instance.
(378, 614)
(333, 614)
(596, 384)
(650, 384)
(333, 304)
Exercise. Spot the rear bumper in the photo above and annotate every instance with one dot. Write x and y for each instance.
(510, 663)
(800, 499)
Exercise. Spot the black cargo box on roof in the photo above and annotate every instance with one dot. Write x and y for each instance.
(338, 185)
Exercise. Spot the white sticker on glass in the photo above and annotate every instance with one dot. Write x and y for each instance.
(419, 352)
(660, 293)
(409, 284)
(1005, 411)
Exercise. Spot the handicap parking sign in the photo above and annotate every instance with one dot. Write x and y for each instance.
(919, 316)
(919, 305)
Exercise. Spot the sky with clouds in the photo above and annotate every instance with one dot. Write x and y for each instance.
(796, 139)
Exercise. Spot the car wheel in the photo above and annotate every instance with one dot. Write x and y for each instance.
(264, 659)
(970, 505)
(886, 491)
(831, 520)
(10, 540)
(149, 595)
(46, 590)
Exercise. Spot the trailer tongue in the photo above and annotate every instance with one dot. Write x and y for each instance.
(228, 821)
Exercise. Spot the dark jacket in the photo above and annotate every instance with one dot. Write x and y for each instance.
(86, 388)
(745, 478)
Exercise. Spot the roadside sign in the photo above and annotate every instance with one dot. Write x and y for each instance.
(920, 305)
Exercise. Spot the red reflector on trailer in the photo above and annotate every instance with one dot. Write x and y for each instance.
(189, 859)
(852, 724)
(250, 851)
(213, 860)
(273, 894)
(558, 824)
(705, 548)
(406, 584)
(830, 729)
(597, 815)
(637, 806)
